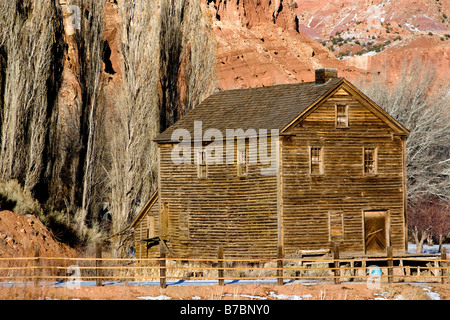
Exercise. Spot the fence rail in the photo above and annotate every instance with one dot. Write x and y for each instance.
(394, 269)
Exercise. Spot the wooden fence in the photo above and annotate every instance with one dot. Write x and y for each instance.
(337, 269)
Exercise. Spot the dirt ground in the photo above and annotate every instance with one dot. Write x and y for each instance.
(19, 234)
(294, 291)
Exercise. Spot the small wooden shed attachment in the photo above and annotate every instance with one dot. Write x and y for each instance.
(146, 229)
(339, 175)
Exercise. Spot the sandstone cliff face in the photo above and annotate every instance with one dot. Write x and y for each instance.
(378, 34)
(325, 18)
(266, 42)
(259, 44)
(250, 13)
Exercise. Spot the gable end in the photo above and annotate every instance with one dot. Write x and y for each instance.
(345, 88)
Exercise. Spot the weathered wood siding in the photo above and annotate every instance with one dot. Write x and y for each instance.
(238, 213)
(343, 187)
(147, 227)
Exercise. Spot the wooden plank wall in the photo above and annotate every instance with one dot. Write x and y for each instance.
(343, 187)
(238, 213)
(147, 227)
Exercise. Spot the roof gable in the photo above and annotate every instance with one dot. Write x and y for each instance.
(361, 98)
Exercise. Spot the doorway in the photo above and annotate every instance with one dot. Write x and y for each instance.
(375, 231)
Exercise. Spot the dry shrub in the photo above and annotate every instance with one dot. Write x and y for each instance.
(17, 199)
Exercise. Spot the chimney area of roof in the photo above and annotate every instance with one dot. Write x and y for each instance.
(325, 74)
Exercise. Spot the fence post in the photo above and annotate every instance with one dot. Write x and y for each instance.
(337, 272)
(37, 264)
(390, 263)
(443, 264)
(162, 264)
(98, 264)
(280, 265)
(220, 270)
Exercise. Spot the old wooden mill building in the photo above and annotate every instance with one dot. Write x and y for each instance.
(339, 177)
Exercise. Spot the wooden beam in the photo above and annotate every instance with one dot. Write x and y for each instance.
(162, 265)
(220, 271)
(280, 266)
(336, 271)
(443, 264)
(390, 263)
(98, 264)
(37, 264)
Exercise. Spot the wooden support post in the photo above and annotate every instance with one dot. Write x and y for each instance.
(443, 264)
(403, 269)
(220, 270)
(390, 263)
(363, 270)
(336, 270)
(37, 264)
(162, 264)
(352, 270)
(280, 265)
(98, 264)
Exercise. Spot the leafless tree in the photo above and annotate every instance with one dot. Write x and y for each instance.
(421, 104)
(440, 220)
(30, 51)
(89, 46)
(135, 118)
(187, 57)
(199, 57)
(420, 223)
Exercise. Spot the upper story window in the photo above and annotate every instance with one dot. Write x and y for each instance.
(316, 160)
(370, 160)
(242, 162)
(341, 116)
(201, 164)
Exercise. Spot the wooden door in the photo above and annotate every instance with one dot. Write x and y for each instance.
(375, 231)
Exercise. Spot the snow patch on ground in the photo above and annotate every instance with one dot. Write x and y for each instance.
(434, 249)
(288, 296)
(411, 27)
(161, 297)
(432, 295)
(244, 296)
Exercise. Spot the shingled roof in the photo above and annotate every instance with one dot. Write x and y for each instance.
(271, 107)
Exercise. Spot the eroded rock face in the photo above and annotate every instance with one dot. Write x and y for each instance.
(250, 13)
(430, 51)
(259, 44)
(266, 42)
(325, 18)
(268, 55)
(377, 35)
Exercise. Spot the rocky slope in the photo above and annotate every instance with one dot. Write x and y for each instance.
(376, 34)
(268, 42)
(19, 234)
(364, 18)
(258, 43)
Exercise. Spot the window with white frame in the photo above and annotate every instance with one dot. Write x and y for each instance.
(202, 170)
(370, 160)
(242, 162)
(341, 116)
(316, 160)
